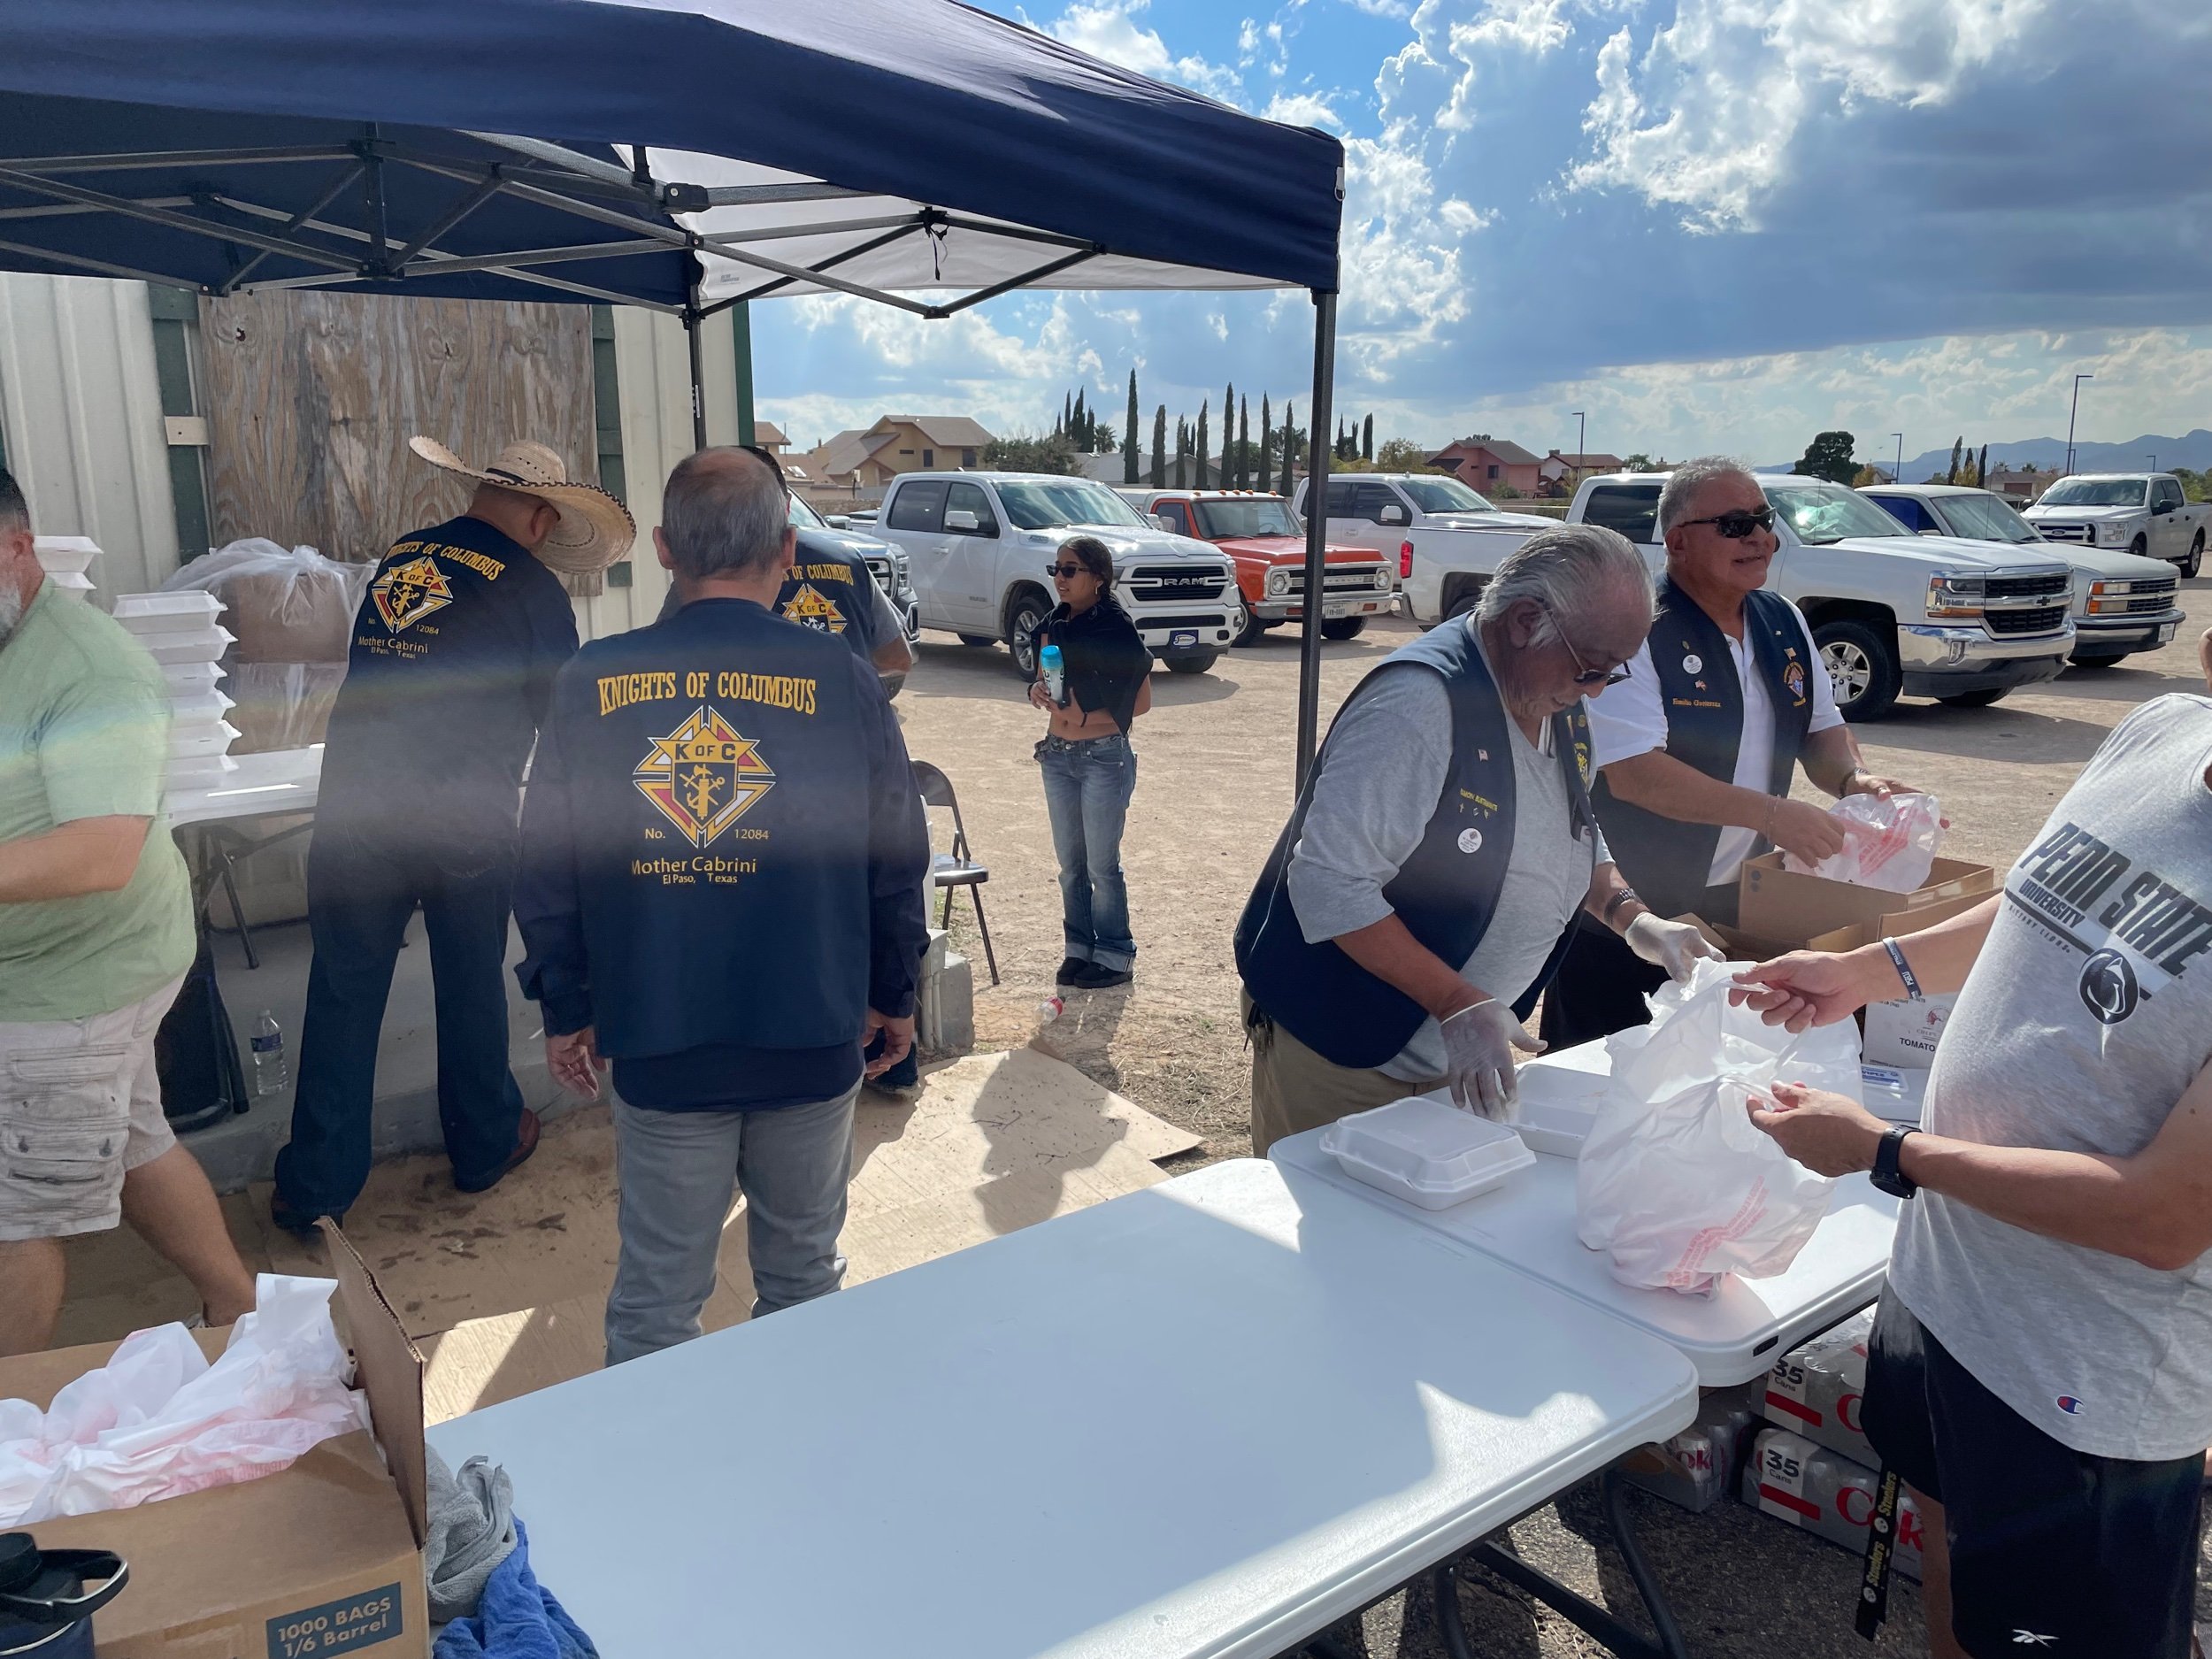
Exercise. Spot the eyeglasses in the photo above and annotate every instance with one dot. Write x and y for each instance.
(1599, 676)
(1740, 523)
(1069, 571)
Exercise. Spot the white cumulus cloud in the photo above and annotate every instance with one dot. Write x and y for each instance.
(1109, 29)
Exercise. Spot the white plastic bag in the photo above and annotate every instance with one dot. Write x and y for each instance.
(158, 1421)
(1676, 1183)
(1890, 844)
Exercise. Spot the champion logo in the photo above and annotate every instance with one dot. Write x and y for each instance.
(2070, 1405)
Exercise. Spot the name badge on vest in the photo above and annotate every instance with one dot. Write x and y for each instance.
(1470, 840)
(1692, 663)
(1793, 681)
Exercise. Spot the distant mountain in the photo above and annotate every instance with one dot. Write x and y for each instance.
(2193, 451)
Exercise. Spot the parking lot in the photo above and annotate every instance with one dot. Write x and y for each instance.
(1214, 765)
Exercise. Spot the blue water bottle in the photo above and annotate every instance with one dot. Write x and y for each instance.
(1056, 675)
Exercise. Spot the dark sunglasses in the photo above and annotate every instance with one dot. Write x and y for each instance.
(1586, 677)
(1069, 571)
(1740, 523)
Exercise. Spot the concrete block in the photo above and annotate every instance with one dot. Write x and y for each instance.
(944, 1007)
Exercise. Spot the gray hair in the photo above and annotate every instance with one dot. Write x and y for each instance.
(1565, 571)
(723, 513)
(1691, 477)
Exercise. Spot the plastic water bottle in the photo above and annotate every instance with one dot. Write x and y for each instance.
(270, 1073)
(1055, 673)
(1049, 1010)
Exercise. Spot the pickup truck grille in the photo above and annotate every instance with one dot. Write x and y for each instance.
(2063, 532)
(2041, 619)
(1212, 619)
(2028, 587)
(2160, 598)
(1153, 583)
(1339, 578)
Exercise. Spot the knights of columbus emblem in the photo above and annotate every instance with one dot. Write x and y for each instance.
(406, 594)
(813, 607)
(703, 776)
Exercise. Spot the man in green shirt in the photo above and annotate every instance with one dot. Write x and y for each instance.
(95, 935)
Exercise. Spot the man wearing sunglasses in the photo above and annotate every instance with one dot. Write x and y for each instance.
(1697, 745)
(1419, 898)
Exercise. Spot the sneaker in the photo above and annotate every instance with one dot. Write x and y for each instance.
(903, 1080)
(298, 1223)
(1097, 976)
(1070, 971)
(525, 1143)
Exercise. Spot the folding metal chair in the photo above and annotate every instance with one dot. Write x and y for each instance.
(960, 867)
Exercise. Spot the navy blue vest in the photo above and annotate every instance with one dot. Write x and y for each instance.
(1444, 893)
(717, 778)
(1665, 859)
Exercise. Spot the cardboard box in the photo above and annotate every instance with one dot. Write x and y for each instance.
(1898, 1094)
(1827, 1494)
(323, 1558)
(1815, 1389)
(1905, 1033)
(304, 616)
(1778, 905)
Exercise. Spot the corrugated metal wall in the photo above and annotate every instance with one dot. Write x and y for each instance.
(81, 412)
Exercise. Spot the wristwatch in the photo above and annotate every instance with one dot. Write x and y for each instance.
(1887, 1176)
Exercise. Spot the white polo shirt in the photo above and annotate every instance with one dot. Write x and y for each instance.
(1631, 720)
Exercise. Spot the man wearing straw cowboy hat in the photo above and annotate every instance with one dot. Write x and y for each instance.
(452, 661)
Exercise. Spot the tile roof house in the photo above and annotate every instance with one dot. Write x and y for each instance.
(1564, 472)
(895, 444)
(1488, 463)
(770, 437)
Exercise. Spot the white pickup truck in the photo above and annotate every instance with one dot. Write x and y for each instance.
(2143, 513)
(1445, 538)
(976, 545)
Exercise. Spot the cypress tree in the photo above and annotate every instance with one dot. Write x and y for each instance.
(1367, 439)
(1182, 451)
(1200, 478)
(1129, 438)
(1159, 444)
(1067, 415)
(1267, 439)
(1981, 468)
(1228, 432)
(1290, 442)
(1951, 477)
(1244, 444)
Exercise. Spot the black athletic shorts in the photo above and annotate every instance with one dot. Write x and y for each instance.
(2052, 1551)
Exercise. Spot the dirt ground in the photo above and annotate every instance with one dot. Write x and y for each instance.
(1215, 760)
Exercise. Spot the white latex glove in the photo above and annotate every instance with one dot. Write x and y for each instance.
(1675, 946)
(1478, 1045)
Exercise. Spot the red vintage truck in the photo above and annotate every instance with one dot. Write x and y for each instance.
(1267, 544)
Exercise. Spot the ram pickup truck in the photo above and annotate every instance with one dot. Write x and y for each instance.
(1267, 544)
(1963, 622)
(2142, 513)
(977, 543)
(1445, 539)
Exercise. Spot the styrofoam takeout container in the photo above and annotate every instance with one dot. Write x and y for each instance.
(1426, 1151)
(189, 645)
(188, 680)
(167, 614)
(200, 703)
(199, 772)
(64, 554)
(1561, 1095)
(194, 739)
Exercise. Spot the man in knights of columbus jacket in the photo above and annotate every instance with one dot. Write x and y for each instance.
(1420, 896)
(721, 893)
(1696, 748)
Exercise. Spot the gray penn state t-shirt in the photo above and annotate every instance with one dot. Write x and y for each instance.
(2088, 1014)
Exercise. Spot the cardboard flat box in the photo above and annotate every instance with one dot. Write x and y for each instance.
(1905, 1033)
(1815, 1390)
(1824, 1493)
(1778, 905)
(322, 1558)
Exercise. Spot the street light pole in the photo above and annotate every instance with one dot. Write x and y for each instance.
(1898, 477)
(2070, 413)
(2153, 460)
(1582, 442)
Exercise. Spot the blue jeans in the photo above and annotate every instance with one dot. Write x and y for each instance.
(360, 898)
(1087, 787)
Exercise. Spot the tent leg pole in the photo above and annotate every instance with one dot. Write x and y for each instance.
(698, 387)
(1317, 530)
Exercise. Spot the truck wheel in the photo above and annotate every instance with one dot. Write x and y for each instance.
(1974, 699)
(1191, 662)
(1249, 627)
(2081, 660)
(1344, 628)
(977, 640)
(1024, 611)
(2194, 563)
(1862, 664)
(2139, 547)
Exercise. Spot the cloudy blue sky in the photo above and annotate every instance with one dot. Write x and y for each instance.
(1711, 224)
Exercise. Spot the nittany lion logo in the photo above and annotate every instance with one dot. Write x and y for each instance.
(2108, 988)
(407, 593)
(703, 776)
(811, 607)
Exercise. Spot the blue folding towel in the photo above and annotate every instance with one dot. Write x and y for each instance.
(516, 1617)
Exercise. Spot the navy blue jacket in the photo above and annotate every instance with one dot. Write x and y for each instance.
(828, 590)
(1445, 893)
(453, 657)
(1665, 859)
(722, 842)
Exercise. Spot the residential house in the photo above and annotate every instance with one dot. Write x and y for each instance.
(1490, 464)
(869, 459)
(768, 435)
(2023, 486)
(1561, 473)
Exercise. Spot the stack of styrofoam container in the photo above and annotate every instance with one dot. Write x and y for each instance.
(181, 633)
(64, 559)
(1816, 1469)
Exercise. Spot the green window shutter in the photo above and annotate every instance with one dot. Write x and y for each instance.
(606, 398)
(176, 317)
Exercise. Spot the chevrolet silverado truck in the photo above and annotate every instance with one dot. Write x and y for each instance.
(1267, 544)
(977, 543)
(2123, 603)
(2142, 513)
(1891, 611)
(1445, 539)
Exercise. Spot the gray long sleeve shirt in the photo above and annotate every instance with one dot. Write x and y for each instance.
(1385, 767)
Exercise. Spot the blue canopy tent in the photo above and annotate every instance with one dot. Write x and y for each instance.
(683, 155)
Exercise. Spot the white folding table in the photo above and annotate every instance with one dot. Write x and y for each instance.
(1209, 1418)
(273, 783)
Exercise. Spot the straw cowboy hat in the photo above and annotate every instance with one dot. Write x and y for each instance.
(596, 529)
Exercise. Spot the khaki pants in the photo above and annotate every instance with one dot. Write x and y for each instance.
(1293, 1089)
